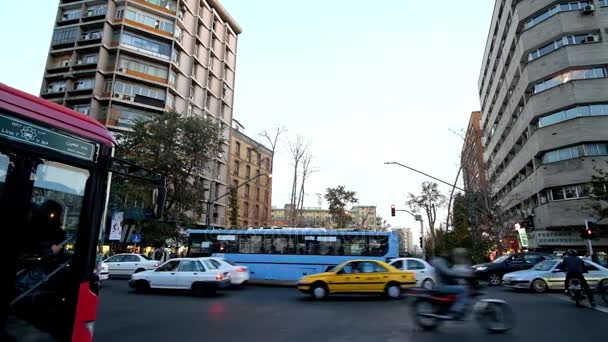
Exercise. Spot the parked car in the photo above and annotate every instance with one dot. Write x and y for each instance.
(425, 273)
(129, 263)
(358, 276)
(193, 274)
(238, 274)
(494, 271)
(104, 272)
(549, 275)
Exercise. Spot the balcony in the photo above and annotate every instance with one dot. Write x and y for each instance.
(165, 6)
(95, 13)
(90, 38)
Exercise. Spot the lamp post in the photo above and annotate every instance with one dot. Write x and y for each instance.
(210, 203)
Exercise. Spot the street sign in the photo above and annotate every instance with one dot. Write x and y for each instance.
(523, 238)
(136, 238)
(35, 135)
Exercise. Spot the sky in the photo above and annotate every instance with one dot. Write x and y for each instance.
(365, 82)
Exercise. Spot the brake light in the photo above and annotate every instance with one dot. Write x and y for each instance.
(219, 276)
(242, 269)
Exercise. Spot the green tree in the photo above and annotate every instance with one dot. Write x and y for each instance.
(179, 147)
(234, 207)
(338, 198)
(599, 182)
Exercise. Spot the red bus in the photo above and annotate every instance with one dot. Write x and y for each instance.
(55, 171)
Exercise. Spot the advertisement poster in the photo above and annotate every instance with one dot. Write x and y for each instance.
(116, 228)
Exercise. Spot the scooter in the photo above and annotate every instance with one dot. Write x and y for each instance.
(431, 308)
(575, 291)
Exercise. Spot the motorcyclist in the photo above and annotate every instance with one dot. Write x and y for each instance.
(452, 277)
(574, 268)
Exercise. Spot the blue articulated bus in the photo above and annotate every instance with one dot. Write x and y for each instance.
(287, 254)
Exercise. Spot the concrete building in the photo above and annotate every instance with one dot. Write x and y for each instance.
(119, 60)
(364, 216)
(471, 157)
(249, 159)
(544, 99)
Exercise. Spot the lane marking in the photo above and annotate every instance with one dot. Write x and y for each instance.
(562, 297)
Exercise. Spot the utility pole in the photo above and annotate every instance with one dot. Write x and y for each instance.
(419, 219)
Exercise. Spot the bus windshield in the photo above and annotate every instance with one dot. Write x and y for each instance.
(51, 196)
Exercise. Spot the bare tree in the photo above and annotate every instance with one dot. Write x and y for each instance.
(428, 200)
(306, 172)
(273, 141)
(297, 149)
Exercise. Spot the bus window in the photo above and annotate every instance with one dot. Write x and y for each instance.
(378, 245)
(250, 244)
(329, 245)
(280, 244)
(355, 245)
(3, 171)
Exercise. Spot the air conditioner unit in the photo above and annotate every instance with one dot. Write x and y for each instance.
(180, 16)
(84, 37)
(78, 62)
(61, 89)
(121, 70)
(116, 95)
(66, 63)
(588, 9)
(591, 39)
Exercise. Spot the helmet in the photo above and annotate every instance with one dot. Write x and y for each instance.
(572, 252)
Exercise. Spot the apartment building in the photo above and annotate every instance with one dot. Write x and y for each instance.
(120, 60)
(544, 97)
(250, 173)
(363, 217)
(471, 157)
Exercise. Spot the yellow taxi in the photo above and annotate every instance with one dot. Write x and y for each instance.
(358, 276)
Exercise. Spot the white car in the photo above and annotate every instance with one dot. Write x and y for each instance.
(195, 274)
(238, 274)
(425, 273)
(129, 263)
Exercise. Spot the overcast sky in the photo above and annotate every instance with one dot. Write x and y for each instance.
(365, 81)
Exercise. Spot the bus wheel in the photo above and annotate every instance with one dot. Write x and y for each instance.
(319, 290)
(142, 286)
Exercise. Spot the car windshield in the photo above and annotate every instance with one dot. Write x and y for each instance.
(544, 265)
(145, 257)
(501, 259)
(230, 263)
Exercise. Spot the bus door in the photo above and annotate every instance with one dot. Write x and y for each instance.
(41, 209)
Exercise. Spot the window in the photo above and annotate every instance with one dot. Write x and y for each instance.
(589, 267)
(84, 84)
(256, 211)
(71, 14)
(414, 265)
(370, 267)
(169, 266)
(248, 172)
(569, 192)
(572, 6)
(97, 10)
(116, 258)
(144, 68)
(190, 266)
(147, 20)
(168, 4)
(83, 108)
(4, 161)
(224, 89)
(237, 149)
(56, 87)
(257, 194)
(572, 152)
(250, 244)
(247, 193)
(566, 40)
(130, 258)
(398, 264)
(135, 89)
(533, 259)
(568, 76)
(64, 35)
(245, 209)
(146, 45)
(603, 3)
(236, 168)
(171, 100)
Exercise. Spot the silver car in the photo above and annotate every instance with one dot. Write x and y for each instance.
(549, 275)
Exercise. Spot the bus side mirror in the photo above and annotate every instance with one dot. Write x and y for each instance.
(158, 198)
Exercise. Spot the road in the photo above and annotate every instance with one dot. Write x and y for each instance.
(283, 314)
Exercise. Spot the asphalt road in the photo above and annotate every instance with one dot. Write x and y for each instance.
(283, 314)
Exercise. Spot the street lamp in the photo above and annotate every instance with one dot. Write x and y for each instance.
(210, 203)
(419, 219)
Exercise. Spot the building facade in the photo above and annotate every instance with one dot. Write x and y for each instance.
(120, 60)
(363, 217)
(543, 88)
(471, 157)
(250, 173)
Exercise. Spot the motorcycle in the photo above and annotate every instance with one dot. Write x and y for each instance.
(575, 291)
(432, 307)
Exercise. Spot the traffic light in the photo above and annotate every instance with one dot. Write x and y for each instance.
(393, 210)
(588, 233)
(421, 242)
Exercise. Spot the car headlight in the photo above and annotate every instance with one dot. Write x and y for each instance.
(481, 268)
